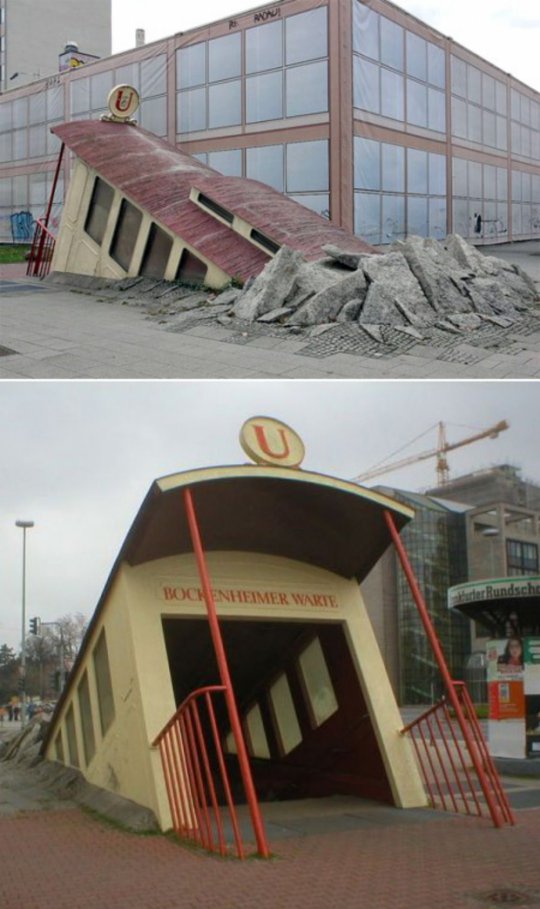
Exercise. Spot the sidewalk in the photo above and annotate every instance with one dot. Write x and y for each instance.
(54, 854)
(57, 332)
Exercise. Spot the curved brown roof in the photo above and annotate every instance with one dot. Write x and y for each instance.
(159, 178)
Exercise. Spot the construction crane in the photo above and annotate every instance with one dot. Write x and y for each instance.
(440, 452)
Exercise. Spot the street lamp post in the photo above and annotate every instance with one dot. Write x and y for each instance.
(25, 526)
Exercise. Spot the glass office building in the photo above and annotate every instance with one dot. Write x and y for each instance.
(355, 109)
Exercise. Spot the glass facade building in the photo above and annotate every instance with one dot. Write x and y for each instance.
(354, 109)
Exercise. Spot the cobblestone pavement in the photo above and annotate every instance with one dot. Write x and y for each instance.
(57, 332)
(70, 860)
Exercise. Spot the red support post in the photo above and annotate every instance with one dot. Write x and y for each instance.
(431, 634)
(215, 631)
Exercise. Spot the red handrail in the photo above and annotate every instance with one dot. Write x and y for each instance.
(194, 766)
(41, 251)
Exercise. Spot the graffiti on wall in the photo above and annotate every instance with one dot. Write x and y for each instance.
(22, 226)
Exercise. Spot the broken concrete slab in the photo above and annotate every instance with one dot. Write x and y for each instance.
(373, 331)
(348, 259)
(275, 314)
(465, 321)
(326, 305)
(271, 287)
(392, 273)
(380, 308)
(351, 311)
(440, 282)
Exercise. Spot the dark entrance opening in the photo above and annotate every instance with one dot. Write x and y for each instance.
(305, 719)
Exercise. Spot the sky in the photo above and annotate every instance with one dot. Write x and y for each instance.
(78, 458)
(503, 32)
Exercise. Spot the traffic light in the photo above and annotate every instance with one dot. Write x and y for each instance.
(35, 625)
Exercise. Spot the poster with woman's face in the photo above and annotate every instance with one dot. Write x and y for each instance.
(505, 660)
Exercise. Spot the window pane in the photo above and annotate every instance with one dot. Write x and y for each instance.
(436, 66)
(37, 138)
(502, 184)
(319, 688)
(264, 47)
(393, 218)
(98, 210)
(437, 218)
(306, 36)
(500, 92)
(224, 57)
(391, 44)
(474, 85)
(154, 76)
(367, 216)
(156, 254)
(285, 714)
(417, 171)
(489, 130)
(459, 77)
(436, 110)
(100, 87)
(317, 202)
(366, 85)
(73, 750)
(307, 166)
(264, 97)
(475, 180)
(366, 31)
(459, 118)
(417, 216)
(125, 234)
(103, 683)
(257, 734)
(416, 57)
(474, 123)
(502, 133)
(36, 112)
(393, 168)
(87, 723)
(191, 66)
(416, 103)
(191, 110)
(80, 95)
(127, 75)
(154, 115)
(227, 162)
(224, 105)
(488, 91)
(437, 175)
(367, 164)
(55, 103)
(191, 270)
(307, 89)
(392, 91)
(266, 164)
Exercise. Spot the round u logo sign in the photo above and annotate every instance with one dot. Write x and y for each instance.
(268, 441)
(123, 101)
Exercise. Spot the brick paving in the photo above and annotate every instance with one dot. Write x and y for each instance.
(68, 860)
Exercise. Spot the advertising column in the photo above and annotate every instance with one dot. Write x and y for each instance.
(506, 723)
(532, 695)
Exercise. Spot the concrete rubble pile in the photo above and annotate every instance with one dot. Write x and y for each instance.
(418, 283)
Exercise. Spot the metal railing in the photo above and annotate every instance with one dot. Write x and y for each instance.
(41, 252)
(196, 776)
(458, 770)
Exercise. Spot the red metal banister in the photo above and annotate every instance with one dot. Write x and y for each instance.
(190, 697)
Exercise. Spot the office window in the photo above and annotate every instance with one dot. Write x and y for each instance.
(191, 66)
(367, 92)
(100, 86)
(436, 66)
(392, 40)
(417, 112)
(154, 76)
(417, 171)
(102, 674)
(307, 166)
(228, 162)
(474, 84)
(318, 684)
(367, 216)
(393, 168)
(125, 234)
(264, 97)
(284, 711)
(156, 253)
(367, 164)
(366, 31)
(417, 216)
(306, 36)
(87, 723)
(191, 110)
(266, 164)
(98, 210)
(521, 558)
(437, 175)
(224, 57)
(392, 104)
(264, 47)
(307, 89)
(73, 749)
(436, 110)
(224, 104)
(416, 57)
